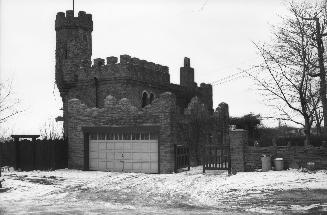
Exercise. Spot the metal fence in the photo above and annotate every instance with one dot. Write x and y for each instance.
(216, 157)
(182, 157)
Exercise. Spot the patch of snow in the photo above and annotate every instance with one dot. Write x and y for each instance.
(261, 211)
(192, 188)
(304, 208)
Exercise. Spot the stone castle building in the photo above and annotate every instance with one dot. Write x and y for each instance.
(122, 115)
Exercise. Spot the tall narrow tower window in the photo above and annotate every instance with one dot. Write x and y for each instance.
(144, 99)
(66, 53)
(151, 98)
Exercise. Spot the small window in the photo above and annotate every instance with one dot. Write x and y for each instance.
(127, 136)
(117, 136)
(102, 136)
(110, 136)
(144, 136)
(135, 136)
(93, 136)
(153, 136)
(144, 99)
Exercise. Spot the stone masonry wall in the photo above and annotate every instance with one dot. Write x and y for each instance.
(248, 158)
(294, 156)
(238, 139)
(122, 113)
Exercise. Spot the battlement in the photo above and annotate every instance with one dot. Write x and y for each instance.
(83, 20)
(206, 86)
(127, 67)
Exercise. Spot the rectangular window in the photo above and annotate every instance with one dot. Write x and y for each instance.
(93, 136)
(135, 136)
(118, 136)
(153, 136)
(102, 136)
(110, 136)
(144, 136)
(127, 136)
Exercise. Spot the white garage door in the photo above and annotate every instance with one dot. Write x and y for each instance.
(124, 152)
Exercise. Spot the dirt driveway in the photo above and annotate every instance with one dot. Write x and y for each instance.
(78, 192)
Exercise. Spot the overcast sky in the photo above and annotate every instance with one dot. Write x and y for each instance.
(216, 34)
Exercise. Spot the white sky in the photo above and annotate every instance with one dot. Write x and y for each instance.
(216, 34)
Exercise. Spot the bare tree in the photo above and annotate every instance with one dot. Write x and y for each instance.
(283, 77)
(8, 104)
(51, 130)
(315, 17)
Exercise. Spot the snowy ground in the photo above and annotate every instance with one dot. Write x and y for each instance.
(78, 192)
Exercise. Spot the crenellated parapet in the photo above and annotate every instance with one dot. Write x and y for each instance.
(127, 67)
(68, 21)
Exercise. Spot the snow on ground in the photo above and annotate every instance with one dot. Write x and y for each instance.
(74, 191)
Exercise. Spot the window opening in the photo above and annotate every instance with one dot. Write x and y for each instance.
(144, 99)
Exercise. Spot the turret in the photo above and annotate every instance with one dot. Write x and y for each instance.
(187, 74)
(73, 44)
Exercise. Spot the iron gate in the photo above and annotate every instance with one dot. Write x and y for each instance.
(216, 157)
(182, 157)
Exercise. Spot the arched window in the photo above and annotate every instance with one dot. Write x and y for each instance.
(144, 99)
(151, 98)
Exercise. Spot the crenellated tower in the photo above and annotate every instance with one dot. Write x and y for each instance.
(73, 45)
(187, 74)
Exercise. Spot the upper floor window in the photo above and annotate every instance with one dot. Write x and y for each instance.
(144, 99)
(151, 98)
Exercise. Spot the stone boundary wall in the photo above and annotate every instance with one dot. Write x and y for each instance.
(248, 158)
(121, 113)
(294, 156)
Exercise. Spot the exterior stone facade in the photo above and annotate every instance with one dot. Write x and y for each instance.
(161, 113)
(126, 93)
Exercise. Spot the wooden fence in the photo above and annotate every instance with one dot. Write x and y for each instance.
(34, 155)
(182, 157)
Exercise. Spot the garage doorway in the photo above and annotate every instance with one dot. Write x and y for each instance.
(122, 150)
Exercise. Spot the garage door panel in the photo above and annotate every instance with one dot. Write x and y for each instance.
(145, 167)
(154, 147)
(128, 146)
(102, 146)
(102, 165)
(94, 155)
(110, 155)
(124, 155)
(119, 146)
(119, 155)
(102, 160)
(103, 154)
(118, 166)
(154, 167)
(93, 164)
(140, 147)
(93, 147)
(154, 157)
(128, 166)
(136, 166)
(141, 156)
(110, 146)
(110, 165)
